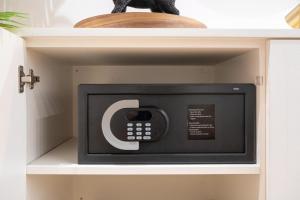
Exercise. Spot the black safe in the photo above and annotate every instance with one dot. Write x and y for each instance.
(167, 123)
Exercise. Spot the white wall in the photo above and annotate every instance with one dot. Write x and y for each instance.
(214, 13)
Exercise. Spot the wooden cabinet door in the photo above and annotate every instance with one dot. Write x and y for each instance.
(12, 120)
(283, 146)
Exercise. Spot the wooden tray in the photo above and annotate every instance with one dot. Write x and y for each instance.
(139, 20)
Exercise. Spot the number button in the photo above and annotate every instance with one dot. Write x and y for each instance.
(138, 137)
(147, 137)
(138, 133)
(130, 137)
(129, 133)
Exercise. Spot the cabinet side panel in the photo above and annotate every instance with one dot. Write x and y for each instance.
(250, 67)
(12, 119)
(283, 150)
(49, 105)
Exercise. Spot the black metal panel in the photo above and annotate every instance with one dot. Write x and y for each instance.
(232, 109)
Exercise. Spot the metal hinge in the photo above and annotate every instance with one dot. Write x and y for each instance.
(29, 79)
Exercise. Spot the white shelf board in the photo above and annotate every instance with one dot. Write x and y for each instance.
(158, 32)
(133, 37)
(63, 161)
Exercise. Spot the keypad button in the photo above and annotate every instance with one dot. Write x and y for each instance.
(138, 129)
(147, 133)
(130, 137)
(129, 124)
(138, 124)
(138, 137)
(129, 133)
(129, 129)
(148, 124)
(138, 133)
(147, 137)
(148, 129)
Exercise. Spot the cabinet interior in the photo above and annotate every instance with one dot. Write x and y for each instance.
(196, 187)
(52, 114)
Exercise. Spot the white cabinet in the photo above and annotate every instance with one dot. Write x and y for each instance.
(38, 152)
(283, 150)
(13, 127)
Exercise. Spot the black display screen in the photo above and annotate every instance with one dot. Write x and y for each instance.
(139, 115)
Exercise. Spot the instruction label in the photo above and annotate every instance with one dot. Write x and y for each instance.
(201, 122)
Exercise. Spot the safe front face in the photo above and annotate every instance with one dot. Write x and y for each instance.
(167, 123)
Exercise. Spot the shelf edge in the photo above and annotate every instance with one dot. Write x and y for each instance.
(143, 170)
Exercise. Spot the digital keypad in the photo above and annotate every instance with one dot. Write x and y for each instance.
(139, 131)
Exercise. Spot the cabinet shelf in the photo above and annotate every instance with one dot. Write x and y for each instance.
(71, 33)
(63, 161)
